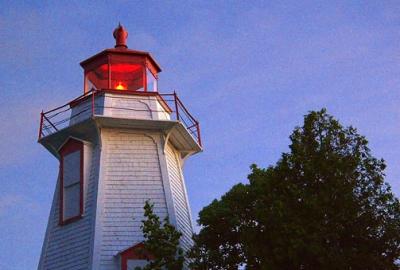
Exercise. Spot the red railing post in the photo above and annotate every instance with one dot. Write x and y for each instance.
(93, 92)
(48, 121)
(198, 133)
(182, 114)
(41, 125)
(176, 106)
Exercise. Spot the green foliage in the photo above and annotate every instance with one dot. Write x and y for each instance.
(162, 241)
(324, 205)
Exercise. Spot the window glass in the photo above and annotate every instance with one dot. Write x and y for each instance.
(97, 77)
(71, 184)
(72, 201)
(127, 76)
(151, 81)
(71, 168)
(132, 264)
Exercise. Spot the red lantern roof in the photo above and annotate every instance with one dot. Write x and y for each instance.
(121, 68)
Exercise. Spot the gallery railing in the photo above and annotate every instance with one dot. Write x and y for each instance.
(61, 117)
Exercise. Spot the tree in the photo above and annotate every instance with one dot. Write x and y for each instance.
(323, 205)
(162, 241)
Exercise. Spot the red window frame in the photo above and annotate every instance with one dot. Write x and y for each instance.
(70, 146)
(137, 252)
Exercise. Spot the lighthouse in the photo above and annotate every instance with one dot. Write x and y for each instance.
(119, 144)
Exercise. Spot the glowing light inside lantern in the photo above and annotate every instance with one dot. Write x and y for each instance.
(120, 86)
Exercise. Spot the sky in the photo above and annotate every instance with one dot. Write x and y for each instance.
(247, 70)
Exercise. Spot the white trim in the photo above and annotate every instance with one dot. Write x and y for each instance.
(165, 139)
(166, 183)
(49, 224)
(178, 159)
(73, 138)
(98, 205)
(119, 252)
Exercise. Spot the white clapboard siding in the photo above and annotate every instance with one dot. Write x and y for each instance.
(131, 175)
(135, 107)
(130, 107)
(119, 106)
(69, 246)
(83, 110)
(181, 206)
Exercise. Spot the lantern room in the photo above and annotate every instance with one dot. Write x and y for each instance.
(120, 68)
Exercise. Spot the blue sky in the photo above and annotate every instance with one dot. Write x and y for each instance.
(247, 70)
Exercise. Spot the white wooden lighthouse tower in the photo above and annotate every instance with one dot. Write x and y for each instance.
(119, 144)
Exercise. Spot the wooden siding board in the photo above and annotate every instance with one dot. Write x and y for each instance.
(181, 205)
(131, 176)
(131, 167)
(69, 246)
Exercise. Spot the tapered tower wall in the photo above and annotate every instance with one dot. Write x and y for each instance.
(131, 175)
(123, 170)
(179, 196)
(70, 246)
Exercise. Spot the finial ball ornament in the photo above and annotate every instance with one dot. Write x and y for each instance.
(120, 34)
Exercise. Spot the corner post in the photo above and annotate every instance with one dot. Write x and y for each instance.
(176, 105)
(41, 125)
(93, 93)
(198, 133)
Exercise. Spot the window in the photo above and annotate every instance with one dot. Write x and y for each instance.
(71, 184)
(117, 73)
(151, 81)
(136, 256)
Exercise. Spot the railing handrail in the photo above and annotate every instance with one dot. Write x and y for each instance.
(67, 104)
(181, 112)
